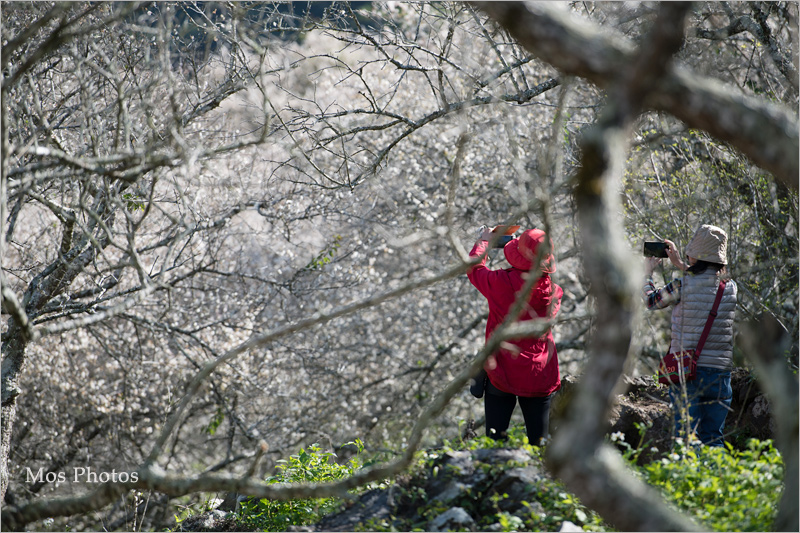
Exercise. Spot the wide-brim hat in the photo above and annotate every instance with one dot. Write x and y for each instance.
(521, 252)
(709, 244)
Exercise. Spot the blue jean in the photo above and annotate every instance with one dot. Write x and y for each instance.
(709, 400)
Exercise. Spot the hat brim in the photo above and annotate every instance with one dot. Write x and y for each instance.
(517, 260)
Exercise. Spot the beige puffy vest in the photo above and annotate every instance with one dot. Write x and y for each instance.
(689, 316)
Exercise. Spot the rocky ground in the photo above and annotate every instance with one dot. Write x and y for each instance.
(463, 487)
(467, 490)
(646, 404)
(463, 490)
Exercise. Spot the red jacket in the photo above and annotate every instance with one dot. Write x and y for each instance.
(534, 371)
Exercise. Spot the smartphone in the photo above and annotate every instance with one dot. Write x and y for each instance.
(502, 241)
(655, 249)
(508, 234)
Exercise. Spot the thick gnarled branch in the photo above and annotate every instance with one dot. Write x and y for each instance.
(578, 454)
(766, 133)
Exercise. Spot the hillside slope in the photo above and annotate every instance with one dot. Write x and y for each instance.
(487, 487)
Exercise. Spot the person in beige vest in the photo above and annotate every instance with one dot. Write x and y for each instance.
(703, 409)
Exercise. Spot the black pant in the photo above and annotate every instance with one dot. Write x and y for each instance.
(499, 407)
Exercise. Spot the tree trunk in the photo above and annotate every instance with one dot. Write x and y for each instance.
(13, 362)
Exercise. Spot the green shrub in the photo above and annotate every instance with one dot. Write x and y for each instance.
(309, 466)
(722, 488)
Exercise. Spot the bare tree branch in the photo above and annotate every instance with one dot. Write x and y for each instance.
(764, 132)
(760, 29)
(151, 477)
(239, 260)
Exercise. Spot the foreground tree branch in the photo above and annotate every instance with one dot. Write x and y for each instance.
(766, 133)
(578, 454)
(152, 477)
(239, 193)
(766, 343)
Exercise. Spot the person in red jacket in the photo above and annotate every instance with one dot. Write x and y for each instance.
(527, 372)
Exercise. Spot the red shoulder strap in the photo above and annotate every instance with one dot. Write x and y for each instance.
(711, 316)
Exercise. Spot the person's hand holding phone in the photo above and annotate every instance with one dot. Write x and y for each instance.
(650, 264)
(674, 255)
(499, 235)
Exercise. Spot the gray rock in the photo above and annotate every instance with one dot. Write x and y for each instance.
(759, 417)
(502, 456)
(214, 520)
(642, 409)
(450, 492)
(459, 462)
(454, 519)
(566, 525)
(451, 475)
(520, 484)
(375, 504)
